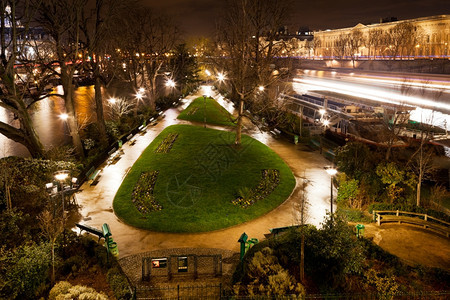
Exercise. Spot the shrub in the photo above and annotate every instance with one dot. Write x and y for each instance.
(268, 277)
(27, 272)
(118, 283)
(71, 265)
(61, 287)
(64, 290)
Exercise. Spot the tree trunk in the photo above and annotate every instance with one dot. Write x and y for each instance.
(302, 257)
(419, 187)
(25, 135)
(99, 111)
(70, 110)
(53, 262)
(239, 123)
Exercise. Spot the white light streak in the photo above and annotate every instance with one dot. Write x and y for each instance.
(374, 94)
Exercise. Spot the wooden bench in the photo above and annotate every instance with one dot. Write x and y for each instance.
(91, 230)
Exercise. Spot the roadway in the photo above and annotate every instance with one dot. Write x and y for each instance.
(429, 95)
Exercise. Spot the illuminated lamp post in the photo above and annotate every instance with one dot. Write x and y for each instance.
(61, 177)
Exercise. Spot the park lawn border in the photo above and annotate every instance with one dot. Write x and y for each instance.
(212, 208)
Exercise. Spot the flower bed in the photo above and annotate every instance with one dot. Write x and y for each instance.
(167, 143)
(192, 111)
(142, 195)
(270, 180)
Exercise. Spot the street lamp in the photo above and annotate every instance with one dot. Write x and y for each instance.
(170, 83)
(331, 171)
(261, 88)
(220, 77)
(61, 177)
(64, 116)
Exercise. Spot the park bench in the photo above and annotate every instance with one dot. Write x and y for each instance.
(131, 139)
(275, 132)
(91, 230)
(92, 175)
(276, 231)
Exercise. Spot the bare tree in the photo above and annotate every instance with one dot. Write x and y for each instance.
(400, 39)
(341, 46)
(421, 161)
(18, 91)
(96, 26)
(145, 39)
(61, 19)
(52, 227)
(374, 42)
(355, 41)
(247, 35)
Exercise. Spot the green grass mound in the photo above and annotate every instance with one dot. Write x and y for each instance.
(199, 180)
(215, 113)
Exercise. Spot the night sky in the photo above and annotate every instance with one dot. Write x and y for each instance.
(197, 17)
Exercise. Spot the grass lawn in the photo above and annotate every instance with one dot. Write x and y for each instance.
(215, 113)
(198, 178)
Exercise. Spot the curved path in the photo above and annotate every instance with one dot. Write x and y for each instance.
(96, 201)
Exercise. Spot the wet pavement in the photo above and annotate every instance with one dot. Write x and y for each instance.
(96, 202)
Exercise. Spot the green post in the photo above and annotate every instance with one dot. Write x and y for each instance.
(296, 139)
(120, 143)
(359, 230)
(243, 240)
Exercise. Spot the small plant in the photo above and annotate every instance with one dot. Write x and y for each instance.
(142, 195)
(268, 183)
(167, 143)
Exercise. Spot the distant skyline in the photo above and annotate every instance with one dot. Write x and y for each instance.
(198, 17)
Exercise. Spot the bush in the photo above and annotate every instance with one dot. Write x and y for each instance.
(354, 215)
(64, 290)
(61, 287)
(71, 265)
(27, 272)
(268, 277)
(118, 283)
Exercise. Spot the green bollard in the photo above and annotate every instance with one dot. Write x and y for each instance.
(243, 240)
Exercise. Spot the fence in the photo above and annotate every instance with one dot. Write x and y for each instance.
(428, 222)
(181, 265)
(212, 292)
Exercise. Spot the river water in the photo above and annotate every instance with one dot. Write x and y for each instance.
(52, 131)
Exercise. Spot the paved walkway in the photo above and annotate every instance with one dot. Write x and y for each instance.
(96, 201)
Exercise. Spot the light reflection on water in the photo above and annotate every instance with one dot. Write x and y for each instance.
(51, 130)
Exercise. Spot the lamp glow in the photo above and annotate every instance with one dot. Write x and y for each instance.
(64, 116)
(170, 83)
(331, 171)
(61, 176)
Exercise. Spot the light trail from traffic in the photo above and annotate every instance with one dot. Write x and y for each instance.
(428, 94)
(373, 94)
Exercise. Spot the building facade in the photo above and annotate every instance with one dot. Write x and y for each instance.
(427, 37)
